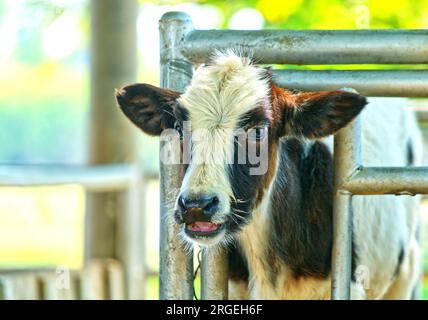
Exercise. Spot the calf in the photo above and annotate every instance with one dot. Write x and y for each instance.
(275, 216)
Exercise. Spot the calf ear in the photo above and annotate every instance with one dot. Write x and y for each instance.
(150, 108)
(319, 114)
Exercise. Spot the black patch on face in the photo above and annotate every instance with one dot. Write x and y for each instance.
(181, 115)
(245, 188)
(238, 267)
(301, 206)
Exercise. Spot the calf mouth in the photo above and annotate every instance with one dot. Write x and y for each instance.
(203, 229)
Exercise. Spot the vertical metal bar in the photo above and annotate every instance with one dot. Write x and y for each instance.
(342, 247)
(346, 160)
(214, 274)
(176, 265)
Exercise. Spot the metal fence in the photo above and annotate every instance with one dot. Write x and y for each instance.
(182, 47)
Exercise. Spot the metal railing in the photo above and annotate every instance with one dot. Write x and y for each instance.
(182, 47)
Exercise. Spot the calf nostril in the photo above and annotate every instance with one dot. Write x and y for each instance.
(205, 205)
(211, 206)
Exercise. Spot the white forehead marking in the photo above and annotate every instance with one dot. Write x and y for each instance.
(219, 94)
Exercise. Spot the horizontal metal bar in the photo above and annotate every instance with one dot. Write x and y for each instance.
(314, 46)
(380, 83)
(100, 178)
(383, 180)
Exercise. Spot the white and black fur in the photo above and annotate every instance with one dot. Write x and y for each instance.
(278, 226)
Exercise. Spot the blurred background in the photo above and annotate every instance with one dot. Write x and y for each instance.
(57, 115)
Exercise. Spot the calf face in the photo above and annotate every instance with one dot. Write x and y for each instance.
(229, 121)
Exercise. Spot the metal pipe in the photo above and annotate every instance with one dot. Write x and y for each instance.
(372, 83)
(314, 46)
(97, 178)
(346, 160)
(176, 265)
(214, 274)
(342, 248)
(384, 180)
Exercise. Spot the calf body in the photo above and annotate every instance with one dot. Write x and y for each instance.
(275, 214)
(286, 248)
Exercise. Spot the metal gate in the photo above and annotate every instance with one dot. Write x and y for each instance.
(182, 47)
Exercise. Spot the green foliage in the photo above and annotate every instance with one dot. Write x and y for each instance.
(325, 14)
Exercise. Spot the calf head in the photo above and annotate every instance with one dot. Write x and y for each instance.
(229, 121)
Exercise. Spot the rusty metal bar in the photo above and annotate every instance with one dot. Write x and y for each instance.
(346, 160)
(384, 180)
(400, 83)
(176, 265)
(314, 46)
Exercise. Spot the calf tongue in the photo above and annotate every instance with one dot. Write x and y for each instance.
(203, 226)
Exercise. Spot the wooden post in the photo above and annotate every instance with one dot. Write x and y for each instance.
(113, 64)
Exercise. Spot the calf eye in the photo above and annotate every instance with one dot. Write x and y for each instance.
(257, 134)
(179, 129)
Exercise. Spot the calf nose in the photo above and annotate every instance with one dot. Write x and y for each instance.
(202, 207)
